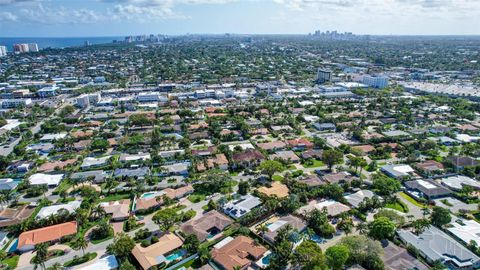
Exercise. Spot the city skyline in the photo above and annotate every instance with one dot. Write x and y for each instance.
(59, 18)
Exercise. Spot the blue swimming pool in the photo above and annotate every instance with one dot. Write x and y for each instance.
(13, 247)
(266, 259)
(175, 255)
(317, 239)
(148, 195)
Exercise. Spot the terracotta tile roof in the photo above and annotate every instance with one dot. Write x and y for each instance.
(47, 234)
(118, 209)
(248, 155)
(81, 134)
(364, 148)
(272, 145)
(201, 226)
(150, 256)
(237, 253)
(50, 166)
(301, 142)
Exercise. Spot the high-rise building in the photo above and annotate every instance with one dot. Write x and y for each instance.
(33, 47)
(20, 48)
(3, 51)
(375, 81)
(323, 75)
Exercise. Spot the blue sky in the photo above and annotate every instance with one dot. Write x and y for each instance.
(61, 18)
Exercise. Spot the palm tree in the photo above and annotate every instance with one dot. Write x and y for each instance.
(97, 211)
(81, 243)
(56, 266)
(41, 255)
(425, 211)
(262, 229)
(362, 228)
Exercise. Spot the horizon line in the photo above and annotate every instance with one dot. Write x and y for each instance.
(246, 34)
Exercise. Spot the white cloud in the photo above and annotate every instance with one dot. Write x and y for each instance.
(8, 17)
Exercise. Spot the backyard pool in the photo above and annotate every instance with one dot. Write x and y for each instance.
(174, 256)
(148, 195)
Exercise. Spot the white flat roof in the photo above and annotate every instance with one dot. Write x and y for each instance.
(426, 184)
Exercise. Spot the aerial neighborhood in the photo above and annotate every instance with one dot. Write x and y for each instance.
(241, 153)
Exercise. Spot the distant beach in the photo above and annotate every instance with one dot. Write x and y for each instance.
(53, 42)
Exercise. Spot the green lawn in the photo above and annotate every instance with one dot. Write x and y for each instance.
(313, 163)
(11, 262)
(79, 260)
(64, 185)
(195, 198)
(115, 197)
(277, 177)
(410, 199)
(398, 206)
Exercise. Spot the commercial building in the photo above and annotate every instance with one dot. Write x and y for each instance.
(48, 92)
(375, 81)
(323, 75)
(20, 48)
(15, 103)
(32, 47)
(3, 51)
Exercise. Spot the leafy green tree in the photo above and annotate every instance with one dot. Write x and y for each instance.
(270, 167)
(122, 246)
(191, 243)
(361, 248)
(440, 216)
(337, 256)
(126, 265)
(420, 225)
(308, 255)
(99, 145)
(165, 218)
(243, 187)
(382, 228)
(332, 157)
(386, 186)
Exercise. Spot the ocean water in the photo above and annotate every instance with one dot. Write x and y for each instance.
(53, 42)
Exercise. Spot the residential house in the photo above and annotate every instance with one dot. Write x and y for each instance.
(13, 216)
(426, 189)
(92, 162)
(355, 199)
(208, 226)
(300, 144)
(288, 156)
(51, 180)
(51, 210)
(157, 253)
(274, 225)
(237, 252)
(27, 240)
(120, 210)
(8, 184)
(398, 171)
(240, 207)
(248, 158)
(457, 182)
(332, 207)
(435, 245)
